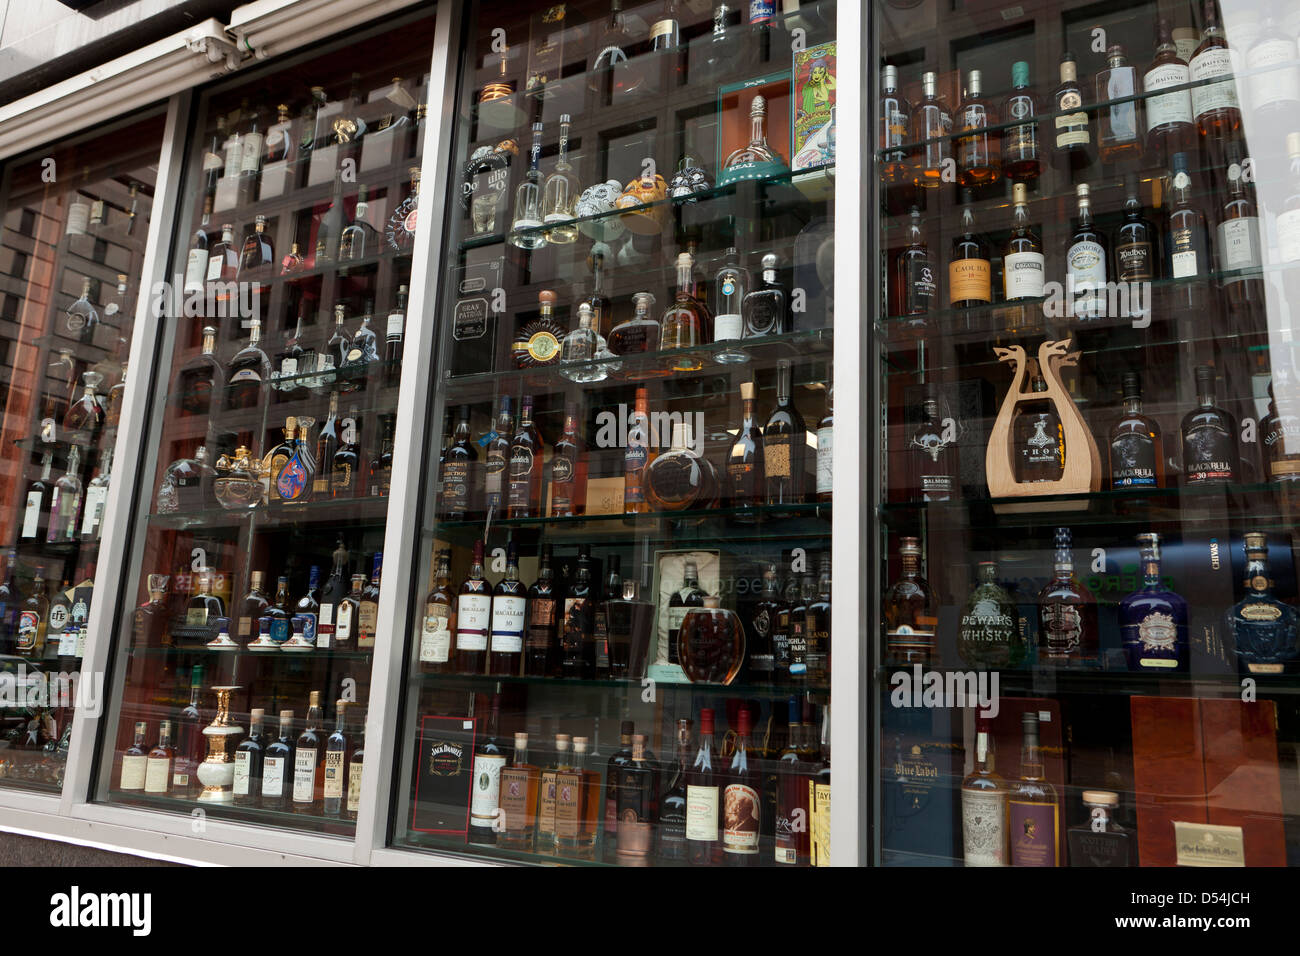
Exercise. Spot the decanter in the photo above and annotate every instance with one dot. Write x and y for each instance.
(86, 414)
(711, 643)
(185, 484)
(1263, 628)
(525, 228)
(988, 634)
(755, 160)
(560, 194)
(1153, 619)
(687, 324)
(579, 349)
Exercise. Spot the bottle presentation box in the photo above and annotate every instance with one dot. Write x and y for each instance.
(474, 319)
(812, 114)
(444, 775)
(734, 124)
(670, 569)
(920, 787)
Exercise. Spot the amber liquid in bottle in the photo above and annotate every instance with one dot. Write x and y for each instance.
(979, 151)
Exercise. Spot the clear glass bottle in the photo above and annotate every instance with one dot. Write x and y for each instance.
(984, 805)
(86, 414)
(248, 370)
(525, 227)
(578, 350)
(731, 284)
(687, 323)
(560, 194)
(1214, 99)
(639, 334)
(895, 118)
(979, 150)
(82, 317)
(931, 129)
(680, 479)
(1169, 126)
(988, 631)
(757, 159)
(1099, 840)
(711, 643)
(1120, 125)
(65, 502)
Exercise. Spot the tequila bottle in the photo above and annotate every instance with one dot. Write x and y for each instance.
(1153, 619)
(639, 333)
(579, 349)
(525, 228)
(560, 193)
(612, 73)
(988, 635)
(1263, 628)
(765, 309)
(756, 159)
(730, 287)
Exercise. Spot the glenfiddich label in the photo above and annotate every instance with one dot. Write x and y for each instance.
(1208, 844)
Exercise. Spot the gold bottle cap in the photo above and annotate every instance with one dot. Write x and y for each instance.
(712, 601)
(286, 716)
(314, 698)
(747, 391)
(1255, 541)
(1102, 798)
(290, 423)
(1020, 194)
(579, 745)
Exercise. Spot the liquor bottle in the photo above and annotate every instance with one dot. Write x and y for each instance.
(538, 340)
(485, 798)
(1033, 817)
(135, 761)
(1153, 619)
(741, 804)
(784, 445)
(86, 414)
(560, 194)
(33, 619)
(526, 226)
(196, 263)
(293, 261)
(544, 838)
(817, 631)
(569, 469)
(394, 333)
(1039, 438)
(914, 287)
(290, 373)
(460, 480)
(1209, 436)
(1135, 243)
(347, 630)
(680, 479)
(766, 308)
(988, 631)
(606, 610)
(57, 634)
(1073, 136)
(356, 766)
(637, 456)
(473, 618)
(703, 804)
(518, 800)
(326, 445)
(541, 654)
(158, 763)
(334, 783)
(334, 355)
(931, 127)
(363, 351)
(1120, 128)
(969, 270)
(344, 464)
(498, 457)
(249, 758)
(1021, 160)
(309, 761)
(248, 370)
(638, 334)
(1067, 614)
(278, 767)
(687, 323)
(1263, 628)
(335, 590)
(1099, 840)
(1280, 435)
(681, 601)
(201, 377)
(509, 618)
(612, 73)
(257, 256)
(11, 601)
(979, 152)
(1136, 450)
(1214, 97)
(190, 744)
(617, 761)
(760, 650)
(400, 230)
(82, 318)
(984, 805)
(895, 118)
(825, 483)
(746, 486)
(381, 466)
(1240, 254)
(637, 792)
(358, 239)
(1086, 258)
(294, 481)
(35, 526)
(281, 144)
(789, 803)
(527, 461)
(1274, 81)
(308, 609)
(670, 844)
(578, 350)
(1023, 264)
(576, 638)
(223, 257)
(435, 632)
(485, 184)
(65, 502)
(1187, 244)
(577, 806)
(1169, 127)
(797, 665)
(710, 643)
(756, 159)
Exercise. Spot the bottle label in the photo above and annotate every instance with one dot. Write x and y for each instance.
(214, 266)
(243, 764)
(1072, 129)
(727, 326)
(662, 28)
(334, 774)
(1132, 462)
(546, 807)
(969, 281)
(825, 459)
(435, 636)
(343, 632)
(983, 828)
(1239, 246)
(487, 789)
(58, 619)
(95, 498)
(367, 619)
(742, 811)
(157, 771)
(251, 160)
(1184, 258)
(568, 805)
(354, 785)
(1134, 261)
(541, 621)
(1023, 275)
(776, 456)
(512, 800)
(1288, 237)
(304, 775)
(508, 624)
(32, 513)
(1207, 452)
(1214, 63)
(1086, 263)
(702, 813)
(273, 776)
(28, 630)
(1165, 109)
(1062, 630)
(1033, 833)
(133, 772)
(396, 324)
(921, 286)
(473, 618)
(196, 268)
(761, 11)
(1270, 81)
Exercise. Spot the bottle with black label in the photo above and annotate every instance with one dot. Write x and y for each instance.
(1136, 450)
(1209, 437)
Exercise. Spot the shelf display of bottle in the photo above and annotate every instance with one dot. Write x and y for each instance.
(270, 446)
(72, 319)
(1087, 519)
(632, 482)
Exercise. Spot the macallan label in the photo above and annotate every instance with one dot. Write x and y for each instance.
(508, 624)
(473, 618)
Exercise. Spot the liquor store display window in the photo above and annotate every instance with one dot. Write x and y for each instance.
(618, 651)
(75, 221)
(241, 667)
(1090, 274)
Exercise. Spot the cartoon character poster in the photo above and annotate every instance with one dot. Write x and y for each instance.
(814, 100)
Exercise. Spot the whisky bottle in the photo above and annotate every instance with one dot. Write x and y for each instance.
(1073, 132)
(817, 632)
(334, 783)
(542, 647)
(931, 127)
(1119, 125)
(1033, 816)
(1086, 258)
(915, 286)
(1039, 438)
(327, 443)
(568, 470)
(637, 456)
(1263, 628)
(686, 324)
(1187, 245)
(460, 472)
(473, 617)
(784, 445)
(670, 824)
(1214, 97)
(1209, 435)
(577, 645)
(1135, 245)
(257, 255)
(1170, 127)
(988, 631)
(524, 472)
(746, 485)
(435, 631)
(1021, 160)
(278, 766)
(1022, 256)
(249, 368)
(979, 151)
(190, 744)
(518, 798)
(765, 309)
(825, 471)
(249, 758)
(1274, 84)
(577, 806)
(895, 118)
(223, 258)
(742, 809)
(526, 226)
(381, 466)
(394, 333)
(485, 797)
(135, 761)
(560, 194)
(309, 761)
(936, 466)
(1153, 619)
(509, 618)
(984, 805)
(969, 270)
(497, 459)
(1240, 255)
(1136, 449)
(688, 596)
(1099, 840)
(1067, 613)
(344, 465)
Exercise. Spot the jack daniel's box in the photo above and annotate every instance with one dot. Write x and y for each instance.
(920, 786)
(444, 775)
(474, 319)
